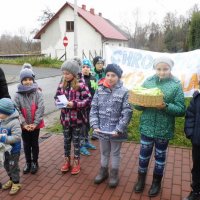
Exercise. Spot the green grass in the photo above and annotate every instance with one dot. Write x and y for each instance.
(55, 128)
(34, 61)
(133, 129)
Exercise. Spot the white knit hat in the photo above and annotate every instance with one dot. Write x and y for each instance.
(163, 59)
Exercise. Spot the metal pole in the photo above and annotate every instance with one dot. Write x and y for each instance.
(65, 54)
(75, 29)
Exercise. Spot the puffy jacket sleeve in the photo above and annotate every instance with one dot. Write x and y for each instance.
(177, 107)
(18, 106)
(126, 115)
(40, 108)
(94, 112)
(190, 119)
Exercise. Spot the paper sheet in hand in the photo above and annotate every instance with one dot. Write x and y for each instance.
(106, 132)
(62, 103)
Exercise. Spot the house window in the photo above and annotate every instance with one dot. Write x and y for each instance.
(70, 26)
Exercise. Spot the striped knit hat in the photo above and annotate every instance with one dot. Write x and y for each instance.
(6, 106)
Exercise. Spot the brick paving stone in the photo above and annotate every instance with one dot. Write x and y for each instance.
(107, 194)
(177, 180)
(176, 190)
(50, 184)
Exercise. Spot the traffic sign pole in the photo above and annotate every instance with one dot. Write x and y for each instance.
(65, 43)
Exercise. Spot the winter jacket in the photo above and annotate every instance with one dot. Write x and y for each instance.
(12, 130)
(192, 120)
(30, 107)
(98, 74)
(111, 111)
(90, 81)
(81, 98)
(3, 86)
(157, 123)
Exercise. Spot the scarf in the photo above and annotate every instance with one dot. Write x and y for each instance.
(27, 89)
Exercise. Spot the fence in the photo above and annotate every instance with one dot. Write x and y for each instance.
(13, 56)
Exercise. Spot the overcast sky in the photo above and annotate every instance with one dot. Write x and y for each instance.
(23, 14)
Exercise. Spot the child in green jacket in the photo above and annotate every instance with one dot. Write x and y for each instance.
(157, 124)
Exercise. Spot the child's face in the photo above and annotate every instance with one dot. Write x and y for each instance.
(99, 65)
(68, 76)
(3, 116)
(111, 78)
(163, 70)
(27, 82)
(85, 70)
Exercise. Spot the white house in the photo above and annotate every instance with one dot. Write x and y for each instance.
(94, 32)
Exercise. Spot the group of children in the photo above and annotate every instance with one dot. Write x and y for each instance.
(97, 99)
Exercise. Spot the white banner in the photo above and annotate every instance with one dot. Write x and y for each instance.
(137, 65)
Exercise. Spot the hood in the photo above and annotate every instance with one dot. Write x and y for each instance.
(12, 116)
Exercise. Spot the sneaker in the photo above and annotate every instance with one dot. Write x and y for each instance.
(7, 185)
(15, 188)
(34, 167)
(89, 145)
(84, 151)
(76, 167)
(27, 168)
(66, 165)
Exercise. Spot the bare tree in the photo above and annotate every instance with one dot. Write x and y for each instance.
(47, 14)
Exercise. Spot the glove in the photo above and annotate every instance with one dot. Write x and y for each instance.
(94, 84)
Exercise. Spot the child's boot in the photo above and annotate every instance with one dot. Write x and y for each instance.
(34, 167)
(139, 186)
(89, 145)
(7, 185)
(27, 168)
(84, 151)
(193, 196)
(15, 188)
(66, 165)
(102, 175)
(114, 178)
(76, 167)
(156, 185)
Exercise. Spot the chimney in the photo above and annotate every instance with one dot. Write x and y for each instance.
(83, 7)
(92, 11)
(100, 14)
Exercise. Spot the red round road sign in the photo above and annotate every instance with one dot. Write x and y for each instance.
(65, 41)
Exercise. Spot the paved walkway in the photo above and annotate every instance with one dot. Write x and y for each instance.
(50, 184)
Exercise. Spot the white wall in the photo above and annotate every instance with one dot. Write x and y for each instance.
(88, 38)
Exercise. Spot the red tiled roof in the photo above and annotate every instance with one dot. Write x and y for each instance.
(100, 24)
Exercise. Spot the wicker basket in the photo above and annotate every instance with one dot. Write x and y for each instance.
(144, 100)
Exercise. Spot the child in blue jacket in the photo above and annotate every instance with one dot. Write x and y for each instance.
(10, 134)
(192, 131)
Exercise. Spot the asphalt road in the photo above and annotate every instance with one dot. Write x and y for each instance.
(12, 72)
(47, 79)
